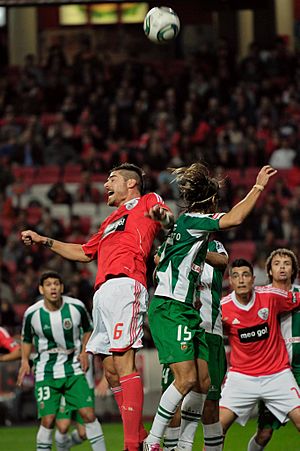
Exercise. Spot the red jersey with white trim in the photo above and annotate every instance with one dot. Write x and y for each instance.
(7, 343)
(123, 242)
(253, 330)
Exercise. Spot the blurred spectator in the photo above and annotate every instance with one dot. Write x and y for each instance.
(86, 192)
(259, 269)
(283, 157)
(58, 194)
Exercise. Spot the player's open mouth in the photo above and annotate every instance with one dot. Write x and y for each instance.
(110, 193)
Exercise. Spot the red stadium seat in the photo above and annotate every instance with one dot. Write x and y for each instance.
(242, 249)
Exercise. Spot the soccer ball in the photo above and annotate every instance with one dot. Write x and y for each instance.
(161, 24)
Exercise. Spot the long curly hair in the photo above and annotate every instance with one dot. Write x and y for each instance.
(198, 191)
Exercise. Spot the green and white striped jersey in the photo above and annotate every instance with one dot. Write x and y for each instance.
(57, 337)
(183, 255)
(290, 329)
(210, 293)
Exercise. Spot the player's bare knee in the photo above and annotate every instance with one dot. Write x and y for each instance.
(263, 436)
(62, 429)
(294, 415)
(186, 384)
(112, 378)
(88, 415)
(48, 421)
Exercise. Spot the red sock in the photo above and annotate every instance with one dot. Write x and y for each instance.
(118, 395)
(133, 398)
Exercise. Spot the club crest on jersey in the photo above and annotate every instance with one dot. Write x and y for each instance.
(183, 346)
(67, 323)
(131, 204)
(263, 313)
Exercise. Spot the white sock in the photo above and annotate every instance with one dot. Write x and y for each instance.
(167, 407)
(191, 411)
(75, 438)
(44, 439)
(253, 445)
(62, 441)
(171, 438)
(95, 435)
(213, 436)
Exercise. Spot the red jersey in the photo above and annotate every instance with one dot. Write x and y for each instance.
(7, 343)
(253, 330)
(123, 242)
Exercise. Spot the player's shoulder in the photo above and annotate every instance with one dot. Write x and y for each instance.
(73, 301)
(34, 307)
(226, 299)
(216, 246)
(4, 332)
(156, 198)
(269, 290)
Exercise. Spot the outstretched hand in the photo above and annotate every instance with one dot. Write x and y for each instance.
(265, 174)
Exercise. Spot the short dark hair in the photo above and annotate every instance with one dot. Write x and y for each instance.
(239, 262)
(282, 251)
(130, 167)
(50, 275)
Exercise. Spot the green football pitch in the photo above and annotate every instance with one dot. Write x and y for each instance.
(23, 438)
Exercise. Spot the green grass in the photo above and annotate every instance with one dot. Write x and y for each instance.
(23, 438)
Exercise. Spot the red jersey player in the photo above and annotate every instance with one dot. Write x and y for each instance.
(259, 364)
(122, 246)
(9, 349)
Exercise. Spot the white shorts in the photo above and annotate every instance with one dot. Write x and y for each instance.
(279, 392)
(119, 306)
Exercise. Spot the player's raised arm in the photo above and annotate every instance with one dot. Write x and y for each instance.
(70, 251)
(241, 210)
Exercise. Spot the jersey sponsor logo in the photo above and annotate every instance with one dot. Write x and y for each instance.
(131, 204)
(255, 333)
(46, 327)
(292, 340)
(67, 323)
(116, 226)
(235, 321)
(263, 313)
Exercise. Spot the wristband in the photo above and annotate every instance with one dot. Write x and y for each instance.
(260, 187)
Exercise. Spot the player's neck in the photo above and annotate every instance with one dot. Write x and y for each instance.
(132, 194)
(53, 306)
(282, 284)
(243, 299)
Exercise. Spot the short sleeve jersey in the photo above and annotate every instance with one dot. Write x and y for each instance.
(290, 329)
(253, 330)
(7, 343)
(123, 242)
(57, 337)
(209, 293)
(183, 255)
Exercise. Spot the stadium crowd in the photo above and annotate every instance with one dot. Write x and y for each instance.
(64, 122)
